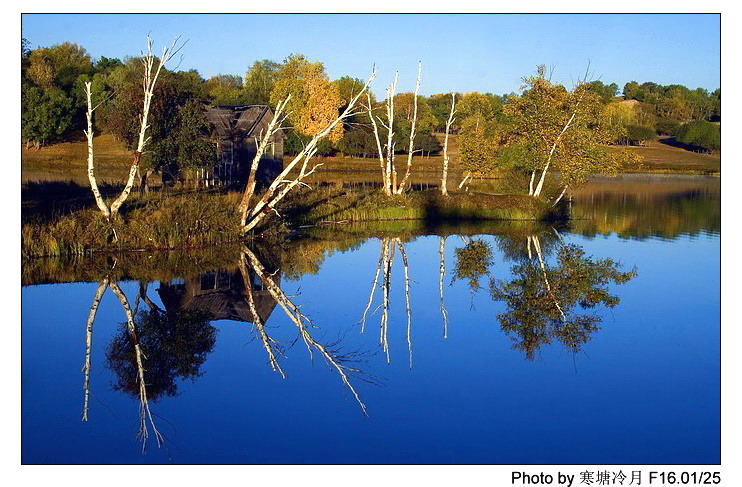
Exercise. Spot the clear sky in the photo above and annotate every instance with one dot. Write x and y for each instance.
(486, 53)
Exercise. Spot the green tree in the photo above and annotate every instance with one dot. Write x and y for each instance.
(638, 134)
(259, 81)
(486, 106)
(558, 129)
(226, 90)
(472, 263)
(176, 344)
(701, 134)
(605, 92)
(477, 145)
(170, 148)
(46, 114)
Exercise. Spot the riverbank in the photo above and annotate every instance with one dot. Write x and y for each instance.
(196, 219)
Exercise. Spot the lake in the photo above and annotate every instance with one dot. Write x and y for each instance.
(395, 342)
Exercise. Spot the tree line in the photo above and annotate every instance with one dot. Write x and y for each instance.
(546, 129)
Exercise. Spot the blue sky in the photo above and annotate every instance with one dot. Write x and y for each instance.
(486, 53)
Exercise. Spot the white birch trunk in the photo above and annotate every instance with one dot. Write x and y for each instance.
(411, 149)
(382, 160)
(273, 127)
(91, 164)
(301, 321)
(148, 84)
(268, 343)
(272, 195)
(444, 179)
(559, 198)
(373, 290)
(442, 273)
(144, 410)
(405, 265)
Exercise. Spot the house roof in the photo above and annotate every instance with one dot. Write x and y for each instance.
(226, 301)
(237, 122)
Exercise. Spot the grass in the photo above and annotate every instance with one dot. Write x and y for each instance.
(662, 156)
(158, 221)
(67, 161)
(71, 224)
(330, 204)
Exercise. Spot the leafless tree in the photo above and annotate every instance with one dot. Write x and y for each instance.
(145, 414)
(269, 344)
(442, 273)
(449, 122)
(302, 322)
(253, 215)
(152, 69)
(413, 126)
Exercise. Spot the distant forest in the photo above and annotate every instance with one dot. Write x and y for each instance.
(53, 106)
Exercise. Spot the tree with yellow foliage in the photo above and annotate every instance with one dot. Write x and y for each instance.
(314, 102)
(551, 128)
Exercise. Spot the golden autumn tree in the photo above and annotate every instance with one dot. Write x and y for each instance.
(314, 102)
(550, 129)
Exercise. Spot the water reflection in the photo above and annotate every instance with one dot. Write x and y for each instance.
(545, 295)
(542, 300)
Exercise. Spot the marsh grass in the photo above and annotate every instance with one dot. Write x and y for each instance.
(194, 219)
(330, 204)
(146, 222)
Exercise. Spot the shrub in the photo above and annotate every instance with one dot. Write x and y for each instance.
(700, 134)
(666, 126)
(637, 134)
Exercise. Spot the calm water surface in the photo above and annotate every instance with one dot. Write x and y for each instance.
(597, 343)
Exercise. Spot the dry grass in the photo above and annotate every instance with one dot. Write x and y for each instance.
(659, 156)
(67, 161)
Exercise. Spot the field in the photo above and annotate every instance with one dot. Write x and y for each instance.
(662, 157)
(67, 162)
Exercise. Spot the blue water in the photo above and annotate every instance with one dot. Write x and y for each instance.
(644, 389)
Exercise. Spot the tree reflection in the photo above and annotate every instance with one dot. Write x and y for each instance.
(176, 343)
(342, 362)
(543, 301)
(389, 247)
(472, 263)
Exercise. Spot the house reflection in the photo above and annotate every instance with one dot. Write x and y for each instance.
(221, 293)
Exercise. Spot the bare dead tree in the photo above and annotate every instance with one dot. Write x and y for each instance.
(385, 288)
(274, 126)
(385, 177)
(281, 186)
(373, 290)
(145, 414)
(391, 169)
(89, 343)
(411, 149)
(449, 122)
(91, 163)
(149, 80)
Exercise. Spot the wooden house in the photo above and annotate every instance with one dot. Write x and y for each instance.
(219, 293)
(237, 131)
